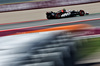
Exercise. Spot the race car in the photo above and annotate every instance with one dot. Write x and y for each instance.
(65, 13)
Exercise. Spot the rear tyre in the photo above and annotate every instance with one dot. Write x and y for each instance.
(81, 13)
(48, 17)
(58, 15)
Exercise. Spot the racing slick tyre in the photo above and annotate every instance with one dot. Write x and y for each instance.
(58, 15)
(48, 17)
(81, 13)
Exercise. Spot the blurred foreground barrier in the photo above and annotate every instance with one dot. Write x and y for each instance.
(68, 28)
(42, 4)
(57, 47)
(41, 64)
(34, 48)
(87, 33)
(41, 29)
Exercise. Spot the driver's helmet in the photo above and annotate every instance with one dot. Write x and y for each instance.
(63, 10)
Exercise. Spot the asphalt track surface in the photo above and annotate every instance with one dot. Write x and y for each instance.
(55, 21)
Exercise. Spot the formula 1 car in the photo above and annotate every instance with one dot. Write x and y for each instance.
(64, 13)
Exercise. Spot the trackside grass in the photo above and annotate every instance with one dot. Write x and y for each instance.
(89, 47)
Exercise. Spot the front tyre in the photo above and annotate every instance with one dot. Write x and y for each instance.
(81, 13)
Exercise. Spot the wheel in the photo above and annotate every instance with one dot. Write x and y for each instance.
(81, 13)
(58, 15)
(48, 17)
